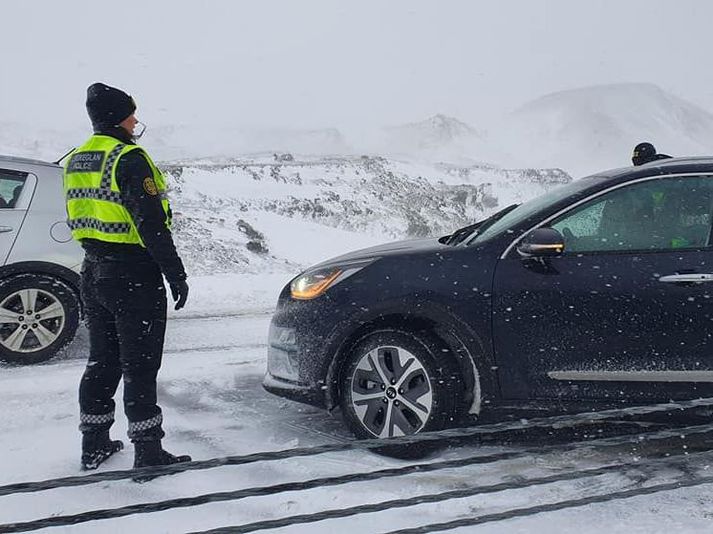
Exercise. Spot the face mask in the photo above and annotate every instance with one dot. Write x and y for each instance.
(141, 127)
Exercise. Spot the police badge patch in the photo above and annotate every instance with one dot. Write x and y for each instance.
(150, 186)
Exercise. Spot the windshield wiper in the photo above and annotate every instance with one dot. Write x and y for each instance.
(462, 234)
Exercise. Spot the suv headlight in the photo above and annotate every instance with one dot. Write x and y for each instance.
(312, 284)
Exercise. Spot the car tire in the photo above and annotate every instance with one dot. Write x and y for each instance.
(30, 335)
(396, 382)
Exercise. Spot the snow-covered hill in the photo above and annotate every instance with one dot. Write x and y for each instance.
(166, 142)
(437, 133)
(594, 128)
(437, 138)
(279, 212)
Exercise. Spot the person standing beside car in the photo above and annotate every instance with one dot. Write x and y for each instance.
(118, 210)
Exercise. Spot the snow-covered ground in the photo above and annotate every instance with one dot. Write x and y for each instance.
(214, 406)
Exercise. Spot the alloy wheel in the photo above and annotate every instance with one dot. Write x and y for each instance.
(30, 320)
(391, 392)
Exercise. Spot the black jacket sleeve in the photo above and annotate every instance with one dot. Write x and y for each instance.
(146, 210)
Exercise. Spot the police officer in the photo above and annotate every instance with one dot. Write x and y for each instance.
(117, 209)
(646, 153)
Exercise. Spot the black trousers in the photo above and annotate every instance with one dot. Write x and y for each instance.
(125, 309)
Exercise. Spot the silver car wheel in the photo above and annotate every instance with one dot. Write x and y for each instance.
(391, 392)
(30, 320)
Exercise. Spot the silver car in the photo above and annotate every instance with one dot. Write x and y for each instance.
(39, 263)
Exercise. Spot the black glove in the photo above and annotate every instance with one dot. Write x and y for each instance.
(179, 292)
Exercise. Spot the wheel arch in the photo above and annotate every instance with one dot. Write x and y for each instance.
(465, 346)
(65, 274)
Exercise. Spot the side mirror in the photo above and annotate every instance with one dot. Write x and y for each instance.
(541, 243)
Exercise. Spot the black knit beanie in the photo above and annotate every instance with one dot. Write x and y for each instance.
(644, 150)
(108, 106)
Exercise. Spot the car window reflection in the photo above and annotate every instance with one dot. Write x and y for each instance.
(11, 187)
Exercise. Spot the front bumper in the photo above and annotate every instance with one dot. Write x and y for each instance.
(297, 358)
(306, 335)
(283, 356)
(293, 391)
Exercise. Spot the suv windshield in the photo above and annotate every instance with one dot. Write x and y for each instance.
(462, 234)
(528, 209)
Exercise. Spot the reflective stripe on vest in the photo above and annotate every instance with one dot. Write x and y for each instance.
(98, 194)
(93, 199)
(94, 224)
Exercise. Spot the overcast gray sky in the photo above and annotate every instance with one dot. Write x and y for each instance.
(311, 63)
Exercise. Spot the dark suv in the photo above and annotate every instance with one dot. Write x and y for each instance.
(597, 292)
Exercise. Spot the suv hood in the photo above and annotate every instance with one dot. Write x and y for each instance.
(389, 249)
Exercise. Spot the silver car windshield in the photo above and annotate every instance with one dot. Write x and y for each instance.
(528, 209)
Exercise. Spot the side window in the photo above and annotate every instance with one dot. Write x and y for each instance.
(11, 186)
(659, 214)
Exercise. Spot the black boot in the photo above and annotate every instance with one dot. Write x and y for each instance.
(151, 454)
(97, 447)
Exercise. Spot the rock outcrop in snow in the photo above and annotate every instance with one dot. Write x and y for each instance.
(266, 213)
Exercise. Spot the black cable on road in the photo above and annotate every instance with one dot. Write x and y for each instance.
(58, 521)
(443, 496)
(574, 503)
(559, 421)
(635, 439)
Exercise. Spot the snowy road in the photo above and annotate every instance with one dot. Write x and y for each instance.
(213, 366)
(214, 406)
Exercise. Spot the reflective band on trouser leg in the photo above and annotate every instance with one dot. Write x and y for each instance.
(136, 428)
(87, 421)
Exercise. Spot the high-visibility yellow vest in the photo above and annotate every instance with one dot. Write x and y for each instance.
(94, 206)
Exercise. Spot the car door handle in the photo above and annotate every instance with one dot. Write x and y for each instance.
(688, 278)
(4, 229)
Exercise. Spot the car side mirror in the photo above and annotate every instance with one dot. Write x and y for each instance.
(541, 243)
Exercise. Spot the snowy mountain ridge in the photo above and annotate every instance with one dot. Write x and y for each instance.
(580, 130)
(433, 132)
